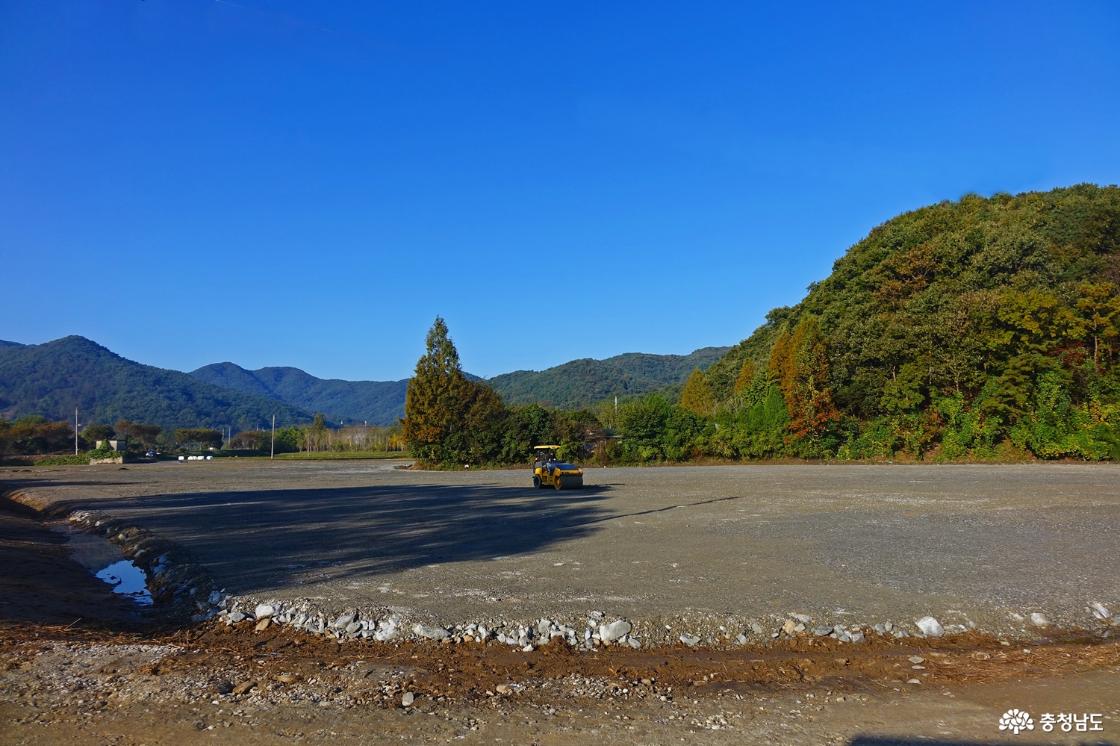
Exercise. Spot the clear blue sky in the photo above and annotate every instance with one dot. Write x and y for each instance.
(309, 184)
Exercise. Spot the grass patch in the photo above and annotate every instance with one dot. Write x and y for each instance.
(70, 459)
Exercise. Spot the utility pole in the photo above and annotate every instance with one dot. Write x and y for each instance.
(75, 431)
(272, 454)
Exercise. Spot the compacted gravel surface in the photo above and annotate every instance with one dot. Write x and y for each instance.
(694, 548)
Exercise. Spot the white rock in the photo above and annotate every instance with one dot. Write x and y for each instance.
(803, 618)
(407, 699)
(689, 640)
(1039, 620)
(1099, 611)
(930, 627)
(614, 631)
(431, 633)
(264, 611)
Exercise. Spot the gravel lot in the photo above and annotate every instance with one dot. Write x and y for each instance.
(684, 546)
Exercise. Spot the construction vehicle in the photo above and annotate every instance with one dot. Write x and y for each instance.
(550, 471)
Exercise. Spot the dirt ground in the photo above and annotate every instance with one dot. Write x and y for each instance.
(80, 665)
(692, 547)
(221, 685)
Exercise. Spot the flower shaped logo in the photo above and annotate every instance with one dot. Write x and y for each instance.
(1016, 720)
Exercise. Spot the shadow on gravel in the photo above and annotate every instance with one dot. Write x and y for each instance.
(253, 540)
(41, 585)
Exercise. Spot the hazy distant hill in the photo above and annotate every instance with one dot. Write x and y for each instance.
(50, 379)
(375, 402)
(581, 383)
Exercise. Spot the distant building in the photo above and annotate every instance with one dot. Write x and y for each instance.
(120, 445)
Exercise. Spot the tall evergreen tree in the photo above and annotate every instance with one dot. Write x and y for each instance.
(437, 399)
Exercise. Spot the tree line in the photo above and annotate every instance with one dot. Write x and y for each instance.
(986, 328)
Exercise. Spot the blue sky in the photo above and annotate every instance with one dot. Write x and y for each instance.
(309, 184)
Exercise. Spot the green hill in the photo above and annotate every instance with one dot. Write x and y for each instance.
(581, 383)
(375, 402)
(50, 379)
(954, 329)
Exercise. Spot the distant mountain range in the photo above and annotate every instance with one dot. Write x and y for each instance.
(50, 379)
(375, 402)
(581, 383)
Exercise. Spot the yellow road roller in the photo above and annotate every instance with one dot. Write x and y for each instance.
(549, 471)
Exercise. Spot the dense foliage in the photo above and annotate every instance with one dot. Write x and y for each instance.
(977, 328)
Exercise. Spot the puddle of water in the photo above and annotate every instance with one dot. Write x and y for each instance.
(105, 561)
(127, 580)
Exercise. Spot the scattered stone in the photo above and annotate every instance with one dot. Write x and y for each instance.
(262, 625)
(235, 617)
(913, 681)
(741, 639)
(263, 611)
(803, 618)
(855, 637)
(614, 631)
(1039, 620)
(756, 628)
(407, 699)
(930, 627)
(353, 627)
(345, 620)
(634, 642)
(243, 688)
(1099, 610)
(503, 689)
(286, 678)
(431, 633)
(916, 659)
(223, 687)
(980, 655)
(789, 627)
(689, 640)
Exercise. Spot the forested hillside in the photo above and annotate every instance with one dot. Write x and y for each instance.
(958, 329)
(50, 379)
(375, 402)
(582, 383)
